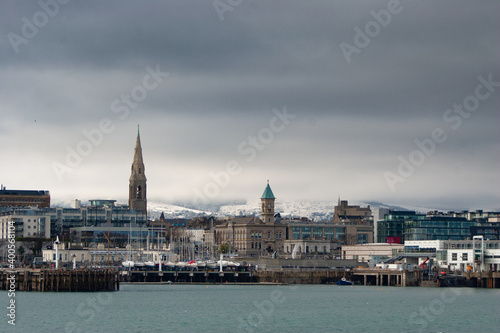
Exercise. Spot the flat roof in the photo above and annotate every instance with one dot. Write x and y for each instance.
(24, 192)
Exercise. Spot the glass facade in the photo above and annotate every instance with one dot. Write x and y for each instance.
(413, 226)
(340, 234)
(329, 233)
(306, 232)
(318, 233)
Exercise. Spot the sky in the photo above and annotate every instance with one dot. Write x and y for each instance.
(387, 101)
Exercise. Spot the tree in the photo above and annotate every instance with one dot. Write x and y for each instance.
(224, 248)
(349, 239)
(21, 252)
(35, 244)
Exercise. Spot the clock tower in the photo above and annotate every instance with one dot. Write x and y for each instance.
(267, 199)
(137, 182)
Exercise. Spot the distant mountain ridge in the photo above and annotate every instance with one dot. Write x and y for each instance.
(316, 210)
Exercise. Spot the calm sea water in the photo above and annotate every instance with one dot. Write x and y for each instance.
(256, 308)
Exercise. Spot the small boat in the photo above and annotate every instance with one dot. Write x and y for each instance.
(139, 264)
(233, 264)
(170, 265)
(181, 264)
(211, 264)
(224, 263)
(344, 282)
(128, 264)
(149, 264)
(192, 264)
(201, 264)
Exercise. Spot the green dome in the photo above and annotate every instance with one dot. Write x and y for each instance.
(268, 193)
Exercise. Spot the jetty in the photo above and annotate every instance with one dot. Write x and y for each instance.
(25, 279)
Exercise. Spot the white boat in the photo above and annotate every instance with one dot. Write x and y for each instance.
(233, 264)
(211, 264)
(149, 264)
(180, 264)
(201, 264)
(128, 264)
(170, 264)
(192, 264)
(224, 263)
(139, 264)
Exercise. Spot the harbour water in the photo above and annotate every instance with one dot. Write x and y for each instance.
(257, 308)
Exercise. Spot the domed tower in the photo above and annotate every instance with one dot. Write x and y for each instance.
(137, 182)
(267, 200)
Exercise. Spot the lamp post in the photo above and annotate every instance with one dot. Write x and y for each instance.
(56, 243)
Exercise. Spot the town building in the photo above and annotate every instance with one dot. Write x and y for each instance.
(351, 214)
(100, 255)
(253, 236)
(51, 222)
(372, 252)
(24, 198)
(400, 226)
(307, 237)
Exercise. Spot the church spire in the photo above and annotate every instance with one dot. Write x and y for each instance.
(137, 182)
(138, 152)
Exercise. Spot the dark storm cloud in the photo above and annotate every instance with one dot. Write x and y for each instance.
(225, 78)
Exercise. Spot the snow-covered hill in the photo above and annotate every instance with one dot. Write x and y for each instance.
(317, 210)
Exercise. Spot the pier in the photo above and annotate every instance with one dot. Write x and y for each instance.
(189, 276)
(59, 280)
(386, 277)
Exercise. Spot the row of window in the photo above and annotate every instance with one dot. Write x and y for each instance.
(454, 256)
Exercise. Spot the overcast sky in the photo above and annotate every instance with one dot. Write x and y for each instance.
(321, 98)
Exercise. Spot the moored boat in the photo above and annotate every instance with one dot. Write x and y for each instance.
(344, 282)
(128, 264)
(211, 264)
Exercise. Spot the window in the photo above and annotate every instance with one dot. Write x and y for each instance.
(454, 256)
(362, 238)
(269, 235)
(306, 232)
(465, 256)
(339, 233)
(329, 233)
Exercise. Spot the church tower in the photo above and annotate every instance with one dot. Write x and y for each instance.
(137, 182)
(267, 200)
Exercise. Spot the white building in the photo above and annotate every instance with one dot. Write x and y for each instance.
(457, 255)
(371, 252)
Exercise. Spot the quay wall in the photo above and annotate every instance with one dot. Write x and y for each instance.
(59, 280)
